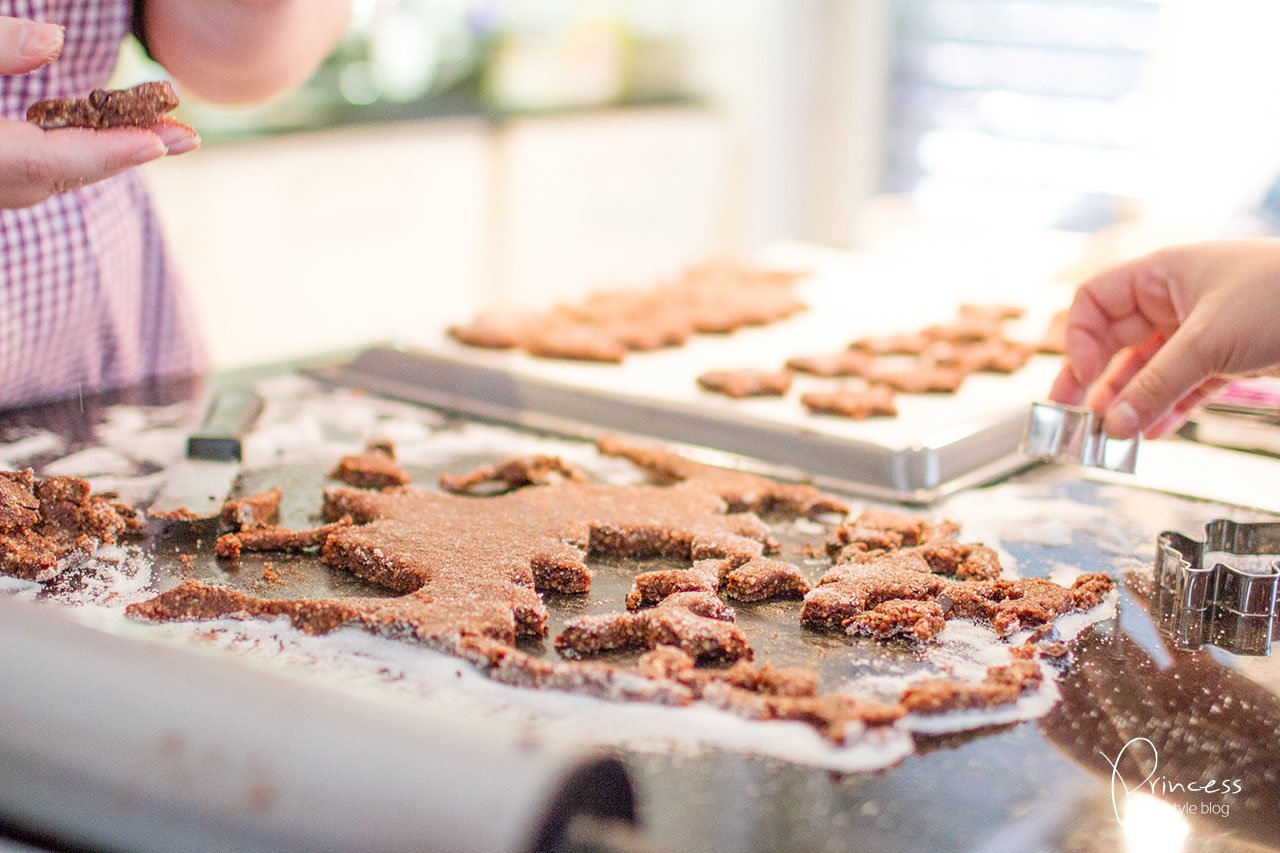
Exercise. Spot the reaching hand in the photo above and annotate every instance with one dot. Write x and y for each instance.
(35, 163)
(1148, 340)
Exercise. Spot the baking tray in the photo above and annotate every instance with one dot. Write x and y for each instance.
(961, 455)
(938, 444)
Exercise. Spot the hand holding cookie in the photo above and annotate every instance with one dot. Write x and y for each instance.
(36, 163)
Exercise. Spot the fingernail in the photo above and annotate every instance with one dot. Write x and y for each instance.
(177, 138)
(1166, 426)
(42, 41)
(1121, 421)
(149, 147)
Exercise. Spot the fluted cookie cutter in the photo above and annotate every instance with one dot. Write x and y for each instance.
(1074, 434)
(1220, 591)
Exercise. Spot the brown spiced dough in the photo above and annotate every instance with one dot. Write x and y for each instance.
(904, 343)
(1010, 605)
(19, 506)
(703, 638)
(574, 342)
(925, 378)
(258, 510)
(272, 538)
(375, 468)
(723, 296)
(670, 662)
(755, 579)
(1003, 685)
(945, 354)
(965, 560)
(42, 522)
(877, 401)
(835, 716)
(144, 105)
(846, 593)
(511, 474)
(746, 383)
(886, 530)
(492, 331)
(893, 577)
(706, 604)
(714, 298)
(849, 362)
(642, 335)
(468, 567)
(638, 319)
(918, 620)
(997, 355)
(761, 579)
(469, 570)
(667, 675)
(768, 693)
(473, 566)
(966, 329)
(650, 588)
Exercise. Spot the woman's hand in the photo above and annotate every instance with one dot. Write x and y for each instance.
(1148, 340)
(35, 163)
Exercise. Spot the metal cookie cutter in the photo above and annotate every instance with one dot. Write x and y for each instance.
(1074, 434)
(1222, 590)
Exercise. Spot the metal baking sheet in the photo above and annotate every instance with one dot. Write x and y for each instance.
(961, 456)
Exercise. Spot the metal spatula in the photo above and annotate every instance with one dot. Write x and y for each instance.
(198, 486)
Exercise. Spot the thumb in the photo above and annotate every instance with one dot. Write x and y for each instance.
(1176, 369)
(35, 164)
(27, 45)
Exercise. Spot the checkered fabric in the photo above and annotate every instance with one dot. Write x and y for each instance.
(88, 296)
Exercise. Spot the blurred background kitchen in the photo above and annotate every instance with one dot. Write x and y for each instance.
(456, 154)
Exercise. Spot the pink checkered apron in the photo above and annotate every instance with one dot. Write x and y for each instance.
(88, 296)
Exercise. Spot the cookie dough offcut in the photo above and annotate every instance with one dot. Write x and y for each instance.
(43, 522)
(142, 106)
